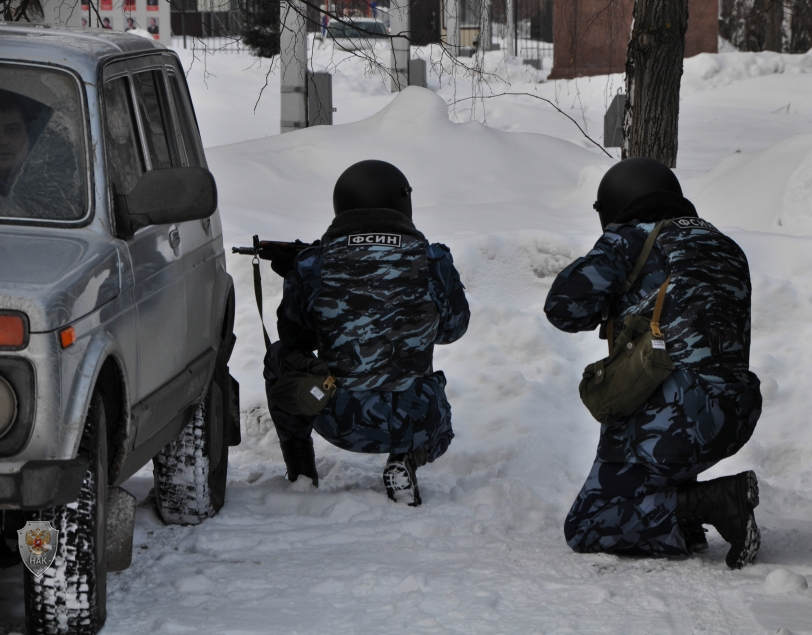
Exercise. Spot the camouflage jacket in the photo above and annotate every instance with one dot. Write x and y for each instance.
(710, 405)
(373, 298)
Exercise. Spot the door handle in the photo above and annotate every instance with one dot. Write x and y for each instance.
(174, 238)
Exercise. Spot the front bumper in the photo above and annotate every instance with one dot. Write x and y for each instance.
(42, 484)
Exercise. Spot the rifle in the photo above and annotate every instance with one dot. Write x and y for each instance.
(281, 254)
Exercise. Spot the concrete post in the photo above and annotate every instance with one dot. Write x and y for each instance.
(399, 25)
(293, 66)
(452, 26)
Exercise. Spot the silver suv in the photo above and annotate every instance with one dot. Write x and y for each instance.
(116, 310)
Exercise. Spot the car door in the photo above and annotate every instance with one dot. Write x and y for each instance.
(140, 137)
(201, 240)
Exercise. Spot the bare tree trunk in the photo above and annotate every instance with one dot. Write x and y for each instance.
(774, 19)
(653, 74)
(801, 37)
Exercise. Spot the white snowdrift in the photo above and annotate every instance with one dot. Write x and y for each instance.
(718, 69)
(766, 191)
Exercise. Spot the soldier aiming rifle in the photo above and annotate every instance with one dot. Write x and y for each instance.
(372, 297)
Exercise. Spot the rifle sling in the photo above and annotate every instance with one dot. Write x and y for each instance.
(638, 267)
(258, 294)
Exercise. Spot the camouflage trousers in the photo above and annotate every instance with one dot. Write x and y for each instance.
(630, 509)
(372, 422)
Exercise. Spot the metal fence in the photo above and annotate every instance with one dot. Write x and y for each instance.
(532, 37)
(211, 31)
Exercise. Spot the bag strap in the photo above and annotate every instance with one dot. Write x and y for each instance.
(632, 278)
(658, 308)
(644, 254)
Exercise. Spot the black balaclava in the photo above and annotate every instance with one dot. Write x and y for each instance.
(631, 179)
(372, 185)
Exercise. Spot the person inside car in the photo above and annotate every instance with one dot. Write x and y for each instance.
(40, 174)
(15, 143)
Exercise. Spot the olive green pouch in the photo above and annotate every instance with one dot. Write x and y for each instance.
(638, 362)
(620, 383)
(305, 387)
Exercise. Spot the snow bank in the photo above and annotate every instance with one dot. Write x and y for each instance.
(765, 191)
(783, 581)
(292, 176)
(720, 69)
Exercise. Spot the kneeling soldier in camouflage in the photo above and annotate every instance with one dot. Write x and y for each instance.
(373, 298)
(657, 258)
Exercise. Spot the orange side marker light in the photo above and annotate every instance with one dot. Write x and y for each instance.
(67, 337)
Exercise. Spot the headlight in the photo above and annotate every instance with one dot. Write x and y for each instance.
(8, 406)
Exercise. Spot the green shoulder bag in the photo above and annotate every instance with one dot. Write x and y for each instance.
(305, 386)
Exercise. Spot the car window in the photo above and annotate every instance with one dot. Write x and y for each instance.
(336, 31)
(43, 151)
(186, 131)
(124, 156)
(150, 96)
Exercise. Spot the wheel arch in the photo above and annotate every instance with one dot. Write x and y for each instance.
(101, 368)
(227, 318)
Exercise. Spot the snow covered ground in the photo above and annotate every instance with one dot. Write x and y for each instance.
(485, 553)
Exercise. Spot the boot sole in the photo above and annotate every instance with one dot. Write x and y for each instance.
(752, 489)
(738, 556)
(391, 475)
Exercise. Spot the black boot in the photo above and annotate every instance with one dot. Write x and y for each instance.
(726, 503)
(300, 458)
(695, 538)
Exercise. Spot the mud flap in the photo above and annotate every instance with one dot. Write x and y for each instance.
(120, 526)
(234, 436)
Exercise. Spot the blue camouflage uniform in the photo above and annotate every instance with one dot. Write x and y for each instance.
(705, 411)
(373, 298)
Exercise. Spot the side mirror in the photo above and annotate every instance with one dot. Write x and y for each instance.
(170, 195)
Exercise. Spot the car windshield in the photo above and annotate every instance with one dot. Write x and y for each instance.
(367, 29)
(43, 171)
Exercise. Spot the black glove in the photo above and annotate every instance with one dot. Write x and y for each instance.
(281, 254)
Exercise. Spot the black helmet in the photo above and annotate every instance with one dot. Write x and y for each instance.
(629, 180)
(372, 185)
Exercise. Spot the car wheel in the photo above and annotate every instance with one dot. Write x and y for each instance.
(191, 471)
(71, 596)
